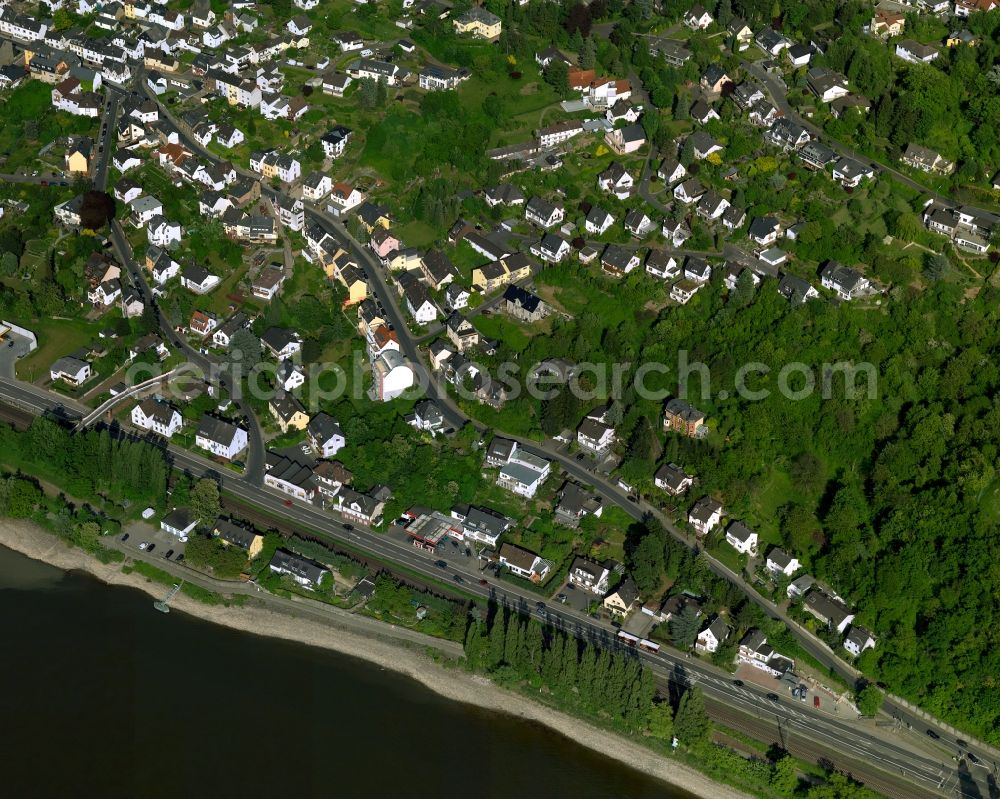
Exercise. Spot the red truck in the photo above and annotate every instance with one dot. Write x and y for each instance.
(815, 701)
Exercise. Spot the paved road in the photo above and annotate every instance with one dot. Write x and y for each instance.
(886, 756)
(106, 140)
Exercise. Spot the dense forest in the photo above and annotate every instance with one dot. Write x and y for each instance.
(893, 500)
(88, 464)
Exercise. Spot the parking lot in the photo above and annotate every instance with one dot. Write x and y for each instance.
(140, 532)
(12, 347)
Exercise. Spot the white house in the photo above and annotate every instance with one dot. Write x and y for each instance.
(711, 636)
(848, 283)
(325, 435)
(70, 370)
(524, 563)
(589, 576)
(858, 640)
(705, 515)
(673, 479)
(741, 538)
(697, 18)
(523, 473)
(223, 439)
(158, 416)
(180, 522)
(780, 562)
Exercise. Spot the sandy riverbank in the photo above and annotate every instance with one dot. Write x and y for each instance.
(456, 685)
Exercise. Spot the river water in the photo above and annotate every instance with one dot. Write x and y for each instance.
(103, 696)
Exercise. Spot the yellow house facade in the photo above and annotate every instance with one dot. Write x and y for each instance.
(480, 23)
(77, 163)
(287, 418)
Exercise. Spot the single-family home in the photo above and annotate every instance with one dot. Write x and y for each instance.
(589, 576)
(705, 515)
(780, 562)
(523, 563)
(673, 479)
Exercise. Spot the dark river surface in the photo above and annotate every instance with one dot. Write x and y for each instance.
(105, 697)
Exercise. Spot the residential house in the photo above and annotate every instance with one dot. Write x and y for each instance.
(281, 342)
(926, 160)
(480, 23)
(223, 439)
(598, 221)
(626, 140)
(325, 435)
(523, 305)
(787, 135)
(197, 279)
(523, 563)
(682, 417)
(757, 652)
(288, 412)
(427, 416)
(689, 191)
(461, 332)
(638, 223)
(795, 289)
(830, 610)
(617, 261)
(70, 370)
(673, 479)
(661, 264)
(543, 213)
(552, 248)
(764, 230)
(886, 24)
(697, 18)
(267, 285)
(594, 434)
(826, 84)
(523, 473)
(742, 538)
(576, 502)
(705, 515)
(623, 599)
(482, 525)
(617, 181)
(589, 576)
(780, 562)
(157, 416)
(713, 79)
(712, 636)
(858, 640)
(179, 522)
(670, 171)
(846, 282)
(915, 52)
(361, 508)
(236, 535)
(303, 571)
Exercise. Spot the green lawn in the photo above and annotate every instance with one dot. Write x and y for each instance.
(504, 329)
(56, 337)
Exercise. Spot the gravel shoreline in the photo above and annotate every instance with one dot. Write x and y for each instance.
(453, 684)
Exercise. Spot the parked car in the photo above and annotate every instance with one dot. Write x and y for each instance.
(124, 537)
(151, 547)
(168, 553)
